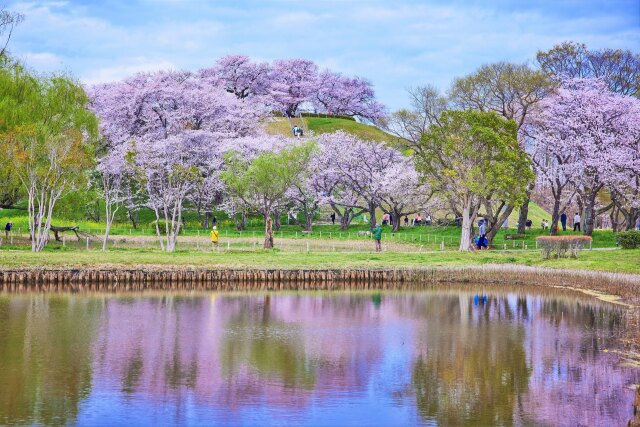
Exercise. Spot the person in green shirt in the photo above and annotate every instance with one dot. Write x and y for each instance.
(377, 236)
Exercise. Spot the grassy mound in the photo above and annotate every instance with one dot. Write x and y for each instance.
(320, 125)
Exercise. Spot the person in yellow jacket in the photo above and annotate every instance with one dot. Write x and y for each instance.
(214, 236)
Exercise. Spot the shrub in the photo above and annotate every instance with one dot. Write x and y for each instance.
(561, 246)
(628, 239)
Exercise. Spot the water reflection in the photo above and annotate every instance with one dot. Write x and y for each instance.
(444, 357)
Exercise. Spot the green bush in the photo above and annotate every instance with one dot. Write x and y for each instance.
(628, 239)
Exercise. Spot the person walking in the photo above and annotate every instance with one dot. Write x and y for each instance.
(563, 221)
(377, 236)
(215, 236)
(576, 222)
(333, 218)
(483, 228)
(7, 229)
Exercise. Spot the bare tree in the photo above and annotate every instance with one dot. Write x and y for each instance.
(427, 103)
(8, 22)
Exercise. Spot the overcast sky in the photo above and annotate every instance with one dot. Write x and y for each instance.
(395, 44)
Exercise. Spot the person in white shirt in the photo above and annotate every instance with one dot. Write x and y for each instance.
(576, 222)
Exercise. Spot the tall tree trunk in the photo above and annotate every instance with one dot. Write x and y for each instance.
(277, 224)
(345, 219)
(589, 213)
(555, 217)
(496, 221)
(395, 222)
(631, 219)
(613, 216)
(523, 215)
(467, 223)
(372, 216)
(268, 233)
(133, 217)
(308, 223)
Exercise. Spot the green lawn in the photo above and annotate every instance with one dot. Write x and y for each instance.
(623, 261)
(426, 237)
(319, 125)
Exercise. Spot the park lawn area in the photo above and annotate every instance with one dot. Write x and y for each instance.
(620, 261)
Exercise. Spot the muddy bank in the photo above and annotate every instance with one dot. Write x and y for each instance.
(607, 285)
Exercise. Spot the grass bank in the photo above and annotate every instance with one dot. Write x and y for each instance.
(617, 261)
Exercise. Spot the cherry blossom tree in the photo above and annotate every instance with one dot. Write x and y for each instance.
(352, 96)
(180, 125)
(293, 82)
(113, 173)
(591, 135)
(354, 174)
(403, 193)
(239, 75)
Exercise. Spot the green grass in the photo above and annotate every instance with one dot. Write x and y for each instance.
(622, 261)
(426, 237)
(325, 125)
(536, 215)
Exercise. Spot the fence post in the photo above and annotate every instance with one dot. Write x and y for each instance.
(307, 246)
(228, 244)
(591, 244)
(87, 243)
(442, 246)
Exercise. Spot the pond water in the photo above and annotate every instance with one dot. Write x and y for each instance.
(439, 357)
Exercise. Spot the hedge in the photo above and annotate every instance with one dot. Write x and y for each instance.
(562, 246)
(628, 239)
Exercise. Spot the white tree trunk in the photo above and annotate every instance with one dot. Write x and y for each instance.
(110, 214)
(155, 209)
(467, 223)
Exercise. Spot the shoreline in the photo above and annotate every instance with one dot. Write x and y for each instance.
(603, 285)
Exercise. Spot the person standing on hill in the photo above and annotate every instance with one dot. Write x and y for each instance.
(215, 236)
(563, 221)
(576, 222)
(377, 236)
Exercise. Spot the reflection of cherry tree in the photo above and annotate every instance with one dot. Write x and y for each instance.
(575, 382)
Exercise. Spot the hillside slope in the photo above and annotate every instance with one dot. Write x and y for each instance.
(319, 125)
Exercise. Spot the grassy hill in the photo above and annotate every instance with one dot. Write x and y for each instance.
(319, 125)
(536, 214)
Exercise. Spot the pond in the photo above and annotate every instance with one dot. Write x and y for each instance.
(444, 356)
